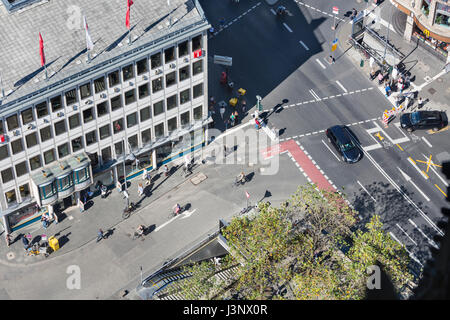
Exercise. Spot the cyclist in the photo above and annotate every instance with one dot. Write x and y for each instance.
(140, 230)
(241, 178)
(176, 209)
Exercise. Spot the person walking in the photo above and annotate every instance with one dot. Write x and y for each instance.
(44, 221)
(222, 111)
(420, 102)
(146, 177)
(26, 242)
(244, 106)
(100, 235)
(232, 119)
(119, 186)
(55, 217)
(166, 170)
(81, 205)
(140, 189)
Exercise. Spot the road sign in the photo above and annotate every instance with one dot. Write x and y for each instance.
(226, 61)
(335, 10)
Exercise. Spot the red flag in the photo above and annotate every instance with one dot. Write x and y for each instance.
(41, 50)
(127, 18)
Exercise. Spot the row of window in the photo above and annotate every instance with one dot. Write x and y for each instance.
(28, 116)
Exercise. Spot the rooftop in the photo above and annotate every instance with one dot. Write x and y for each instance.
(61, 25)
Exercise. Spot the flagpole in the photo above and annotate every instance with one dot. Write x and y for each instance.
(129, 30)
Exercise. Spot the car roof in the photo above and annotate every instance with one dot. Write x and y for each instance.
(429, 115)
(340, 133)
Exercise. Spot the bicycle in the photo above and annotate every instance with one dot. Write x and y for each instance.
(139, 234)
(239, 181)
(176, 212)
(127, 211)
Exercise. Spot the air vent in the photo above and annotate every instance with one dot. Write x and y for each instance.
(173, 65)
(116, 89)
(103, 95)
(186, 59)
(60, 114)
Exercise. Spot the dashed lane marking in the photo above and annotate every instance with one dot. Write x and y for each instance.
(236, 19)
(304, 45)
(321, 64)
(287, 27)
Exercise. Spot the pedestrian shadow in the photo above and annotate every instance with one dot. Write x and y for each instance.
(63, 239)
(108, 233)
(249, 177)
(281, 131)
(149, 229)
(187, 206)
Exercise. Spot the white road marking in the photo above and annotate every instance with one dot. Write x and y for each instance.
(321, 64)
(330, 151)
(423, 234)
(406, 234)
(417, 168)
(287, 27)
(366, 191)
(427, 142)
(314, 95)
(410, 254)
(434, 170)
(408, 179)
(166, 223)
(304, 45)
(273, 11)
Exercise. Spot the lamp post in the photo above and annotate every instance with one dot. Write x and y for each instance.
(132, 157)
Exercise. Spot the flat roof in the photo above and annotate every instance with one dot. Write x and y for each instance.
(60, 23)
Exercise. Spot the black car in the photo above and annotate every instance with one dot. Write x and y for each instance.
(435, 120)
(341, 138)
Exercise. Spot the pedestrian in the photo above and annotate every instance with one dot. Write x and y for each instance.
(211, 32)
(55, 217)
(140, 189)
(119, 186)
(398, 99)
(380, 77)
(166, 170)
(222, 111)
(232, 119)
(8, 240)
(81, 205)
(388, 90)
(257, 124)
(407, 99)
(26, 242)
(212, 101)
(100, 235)
(236, 116)
(394, 73)
(146, 177)
(420, 102)
(407, 80)
(354, 13)
(104, 190)
(222, 22)
(244, 106)
(44, 221)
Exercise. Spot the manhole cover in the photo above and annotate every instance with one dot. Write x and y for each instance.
(10, 255)
(432, 91)
(198, 178)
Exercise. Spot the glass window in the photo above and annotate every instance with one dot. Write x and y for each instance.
(171, 79)
(142, 66)
(11, 197)
(144, 90)
(84, 174)
(158, 108)
(13, 122)
(35, 162)
(197, 67)
(41, 109)
(185, 118)
(157, 85)
(127, 72)
(113, 78)
(130, 96)
(65, 183)
(105, 132)
(102, 108)
(91, 138)
(85, 90)
(27, 116)
(185, 96)
(4, 152)
(24, 191)
(1, 127)
(198, 112)
(198, 90)
(99, 85)
(159, 130)
(132, 120)
(49, 156)
(21, 169)
(31, 140)
(77, 144)
(16, 146)
(63, 150)
(169, 55)
(183, 49)
(184, 73)
(106, 154)
(60, 127)
(145, 114)
(156, 60)
(46, 133)
(133, 141)
(146, 135)
(116, 103)
(74, 121)
(118, 147)
(94, 161)
(118, 125)
(172, 124)
(88, 115)
(197, 43)
(71, 97)
(7, 175)
(56, 103)
(171, 102)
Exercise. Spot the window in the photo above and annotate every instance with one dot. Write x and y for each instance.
(132, 120)
(105, 132)
(13, 122)
(1, 127)
(24, 191)
(127, 72)
(197, 67)
(31, 140)
(198, 112)
(11, 197)
(171, 79)
(56, 103)
(118, 148)
(198, 90)
(91, 138)
(142, 66)
(106, 154)
(116, 103)
(99, 85)
(146, 136)
(133, 141)
(71, 97)
(130, 96)
(159, 130)
(113, 78)
(184, 73)
(46, 133)
(88, 115)
(7, 175)
(197, 43)
(41, 109)
(85, 90)
(102, 108)
(4, 152)
(171, 102)
(172, 124)
(185, 96)
(21, 169)
(157, 85)
(77, 144)
(118, 125)
(156, 60)
(145, 114)
(49, 156)
(35, 162)
(60, 127)
(158, 108)
(16, 146)
(144, 90)
(27, 116)
(74, 121)
(183, 49)
(169, 55)
(63, 150)
(185, 118)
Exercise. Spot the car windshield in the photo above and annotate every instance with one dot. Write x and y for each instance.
(348, 146)
(415, 117)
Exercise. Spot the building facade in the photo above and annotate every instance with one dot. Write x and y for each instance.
(143, 103)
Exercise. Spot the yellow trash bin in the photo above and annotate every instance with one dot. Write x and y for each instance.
(233, 102)
(241, 91)
(53, 243)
